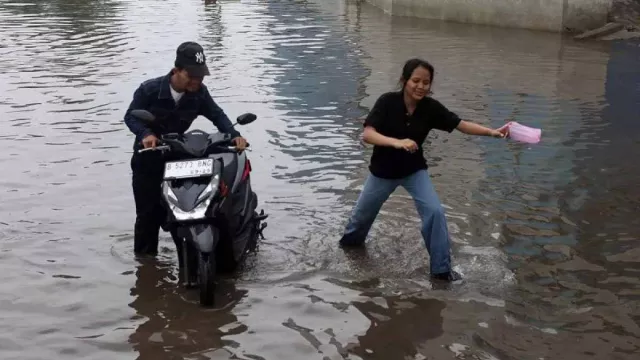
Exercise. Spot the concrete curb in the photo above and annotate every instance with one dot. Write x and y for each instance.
(545, 15)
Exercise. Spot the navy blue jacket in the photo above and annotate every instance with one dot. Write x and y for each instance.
(154, 95)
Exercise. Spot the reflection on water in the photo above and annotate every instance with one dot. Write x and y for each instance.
(168, 331)
(546, 235)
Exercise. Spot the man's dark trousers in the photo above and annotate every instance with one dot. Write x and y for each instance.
(148, 170)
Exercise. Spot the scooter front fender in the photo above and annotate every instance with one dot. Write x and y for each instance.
(205, 237)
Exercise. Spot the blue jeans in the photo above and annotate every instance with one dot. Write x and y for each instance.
(434, 225)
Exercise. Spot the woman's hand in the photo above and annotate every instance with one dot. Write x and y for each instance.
(406, 144)
(501, 132)
(371, 136)
(471, 128)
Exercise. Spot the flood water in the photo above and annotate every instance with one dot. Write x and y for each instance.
(547, 236)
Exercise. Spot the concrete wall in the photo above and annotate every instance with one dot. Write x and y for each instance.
(547, 15)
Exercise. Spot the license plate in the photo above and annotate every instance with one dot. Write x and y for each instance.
(187, 169)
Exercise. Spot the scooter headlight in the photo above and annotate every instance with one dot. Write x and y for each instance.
(169, 194)
(210, 190)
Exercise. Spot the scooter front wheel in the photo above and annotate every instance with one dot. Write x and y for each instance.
(206, 277)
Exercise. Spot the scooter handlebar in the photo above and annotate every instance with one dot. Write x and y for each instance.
(167, 147)
(157, 148)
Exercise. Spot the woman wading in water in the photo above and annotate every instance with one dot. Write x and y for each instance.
(397, 126)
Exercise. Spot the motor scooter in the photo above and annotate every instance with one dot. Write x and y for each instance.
(211, 206)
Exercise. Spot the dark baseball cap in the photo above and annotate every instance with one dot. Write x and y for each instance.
(190, 56)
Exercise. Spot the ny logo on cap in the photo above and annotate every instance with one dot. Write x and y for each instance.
(199, 57)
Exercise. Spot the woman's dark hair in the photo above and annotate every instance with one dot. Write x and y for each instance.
(410, 66)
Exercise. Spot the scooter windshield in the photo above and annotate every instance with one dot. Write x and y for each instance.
(193, 143)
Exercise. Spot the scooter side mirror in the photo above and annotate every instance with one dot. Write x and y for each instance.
(246, 118)
(143, 115)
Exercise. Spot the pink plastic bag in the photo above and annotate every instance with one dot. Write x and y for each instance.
(523, 133)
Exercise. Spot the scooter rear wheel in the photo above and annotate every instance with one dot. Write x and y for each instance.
(206, 277)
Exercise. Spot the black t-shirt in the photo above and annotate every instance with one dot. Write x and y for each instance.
(389, 116)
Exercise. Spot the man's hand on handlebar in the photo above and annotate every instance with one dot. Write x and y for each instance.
(240, 142)
(150, 141)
